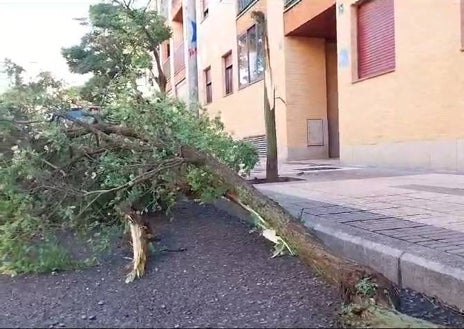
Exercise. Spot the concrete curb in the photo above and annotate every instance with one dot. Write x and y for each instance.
(408, 265)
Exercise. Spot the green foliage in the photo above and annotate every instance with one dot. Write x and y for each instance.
(366, 287)
(120, 43)
(17, 224)
(14, 72)
(53, 179)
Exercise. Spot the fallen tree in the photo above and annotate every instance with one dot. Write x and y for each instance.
(151, 153)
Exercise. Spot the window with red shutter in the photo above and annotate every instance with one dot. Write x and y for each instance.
(376, 37)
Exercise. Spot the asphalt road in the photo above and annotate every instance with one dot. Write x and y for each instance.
(225, 278)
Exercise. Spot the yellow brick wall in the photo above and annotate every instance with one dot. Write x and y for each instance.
(242, 112)
(423, 99)
(306, 92)
(275, 20)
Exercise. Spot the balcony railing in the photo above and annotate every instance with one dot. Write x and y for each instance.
(242, 5)
(290, 3)
(179, 58)
(167, 68)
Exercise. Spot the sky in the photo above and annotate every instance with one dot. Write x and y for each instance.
(32, 33)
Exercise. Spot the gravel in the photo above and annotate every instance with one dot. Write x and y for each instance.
(225, 278)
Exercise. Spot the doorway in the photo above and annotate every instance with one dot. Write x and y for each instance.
(332, 98)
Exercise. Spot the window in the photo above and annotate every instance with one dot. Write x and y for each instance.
(168, 50)
(376, 37)
(462, 25)
(251, 55)
(208, 86)
(204, 6)
(243, 5)
(228, 74)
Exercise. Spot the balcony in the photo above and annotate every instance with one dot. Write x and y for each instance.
(310, 18)
(289, 3)
(176, 10)
(243, 5)
(179, 58)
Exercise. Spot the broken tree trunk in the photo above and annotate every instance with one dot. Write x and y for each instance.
(382, 298)
(334, 268)
(380, 309)
(139, 237)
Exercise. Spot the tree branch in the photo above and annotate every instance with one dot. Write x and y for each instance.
(171, 163)
(19, 122)
(161, 80)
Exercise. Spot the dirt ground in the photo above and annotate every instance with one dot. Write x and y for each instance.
(225, 278)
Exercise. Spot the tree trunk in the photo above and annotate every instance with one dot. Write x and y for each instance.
(380, 307)
(335, 269)
(139, 236)
(377, 305)
(161, 80)
(373, 316)
(272, 169)
(272, 166)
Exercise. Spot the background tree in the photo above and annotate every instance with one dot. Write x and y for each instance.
(14, 72)
(121, 44)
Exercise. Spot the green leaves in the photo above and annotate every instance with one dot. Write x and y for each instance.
(57, 177)
(366, 287)
(14, 72)
(120, 45)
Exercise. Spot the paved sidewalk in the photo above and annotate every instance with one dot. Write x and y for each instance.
(383, 218)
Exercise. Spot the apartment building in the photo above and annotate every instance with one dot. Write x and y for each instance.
(374, 82)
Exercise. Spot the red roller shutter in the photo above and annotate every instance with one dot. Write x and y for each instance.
(376, 37)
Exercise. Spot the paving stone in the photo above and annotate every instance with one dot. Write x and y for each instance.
(455, 248)
(415, 239)
(308, 204)
(446, 248)
(353, 216)
(444, 235)
(404, 211)
(458, 241)
(457, 251)
(328, 210)
(435, 244)
(426, 230)
(394, 224)
(435, 189)
(381, 225)
(399, 233)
